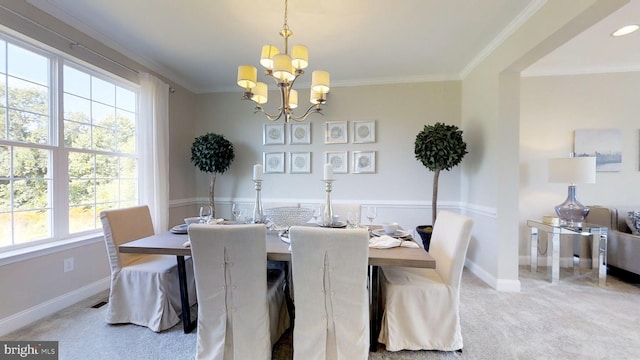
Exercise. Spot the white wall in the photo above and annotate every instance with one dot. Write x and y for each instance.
(401, 183)
(552, 109)
(490, 97)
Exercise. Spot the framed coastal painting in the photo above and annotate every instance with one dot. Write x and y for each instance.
(339, 161)
(300, 134)
(335, 132)
(604, 144)
(273, 162)
(364, 132)
(300, 162)
(363, 162)
(273, 134)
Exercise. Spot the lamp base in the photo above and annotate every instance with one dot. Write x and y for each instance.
(571, 211)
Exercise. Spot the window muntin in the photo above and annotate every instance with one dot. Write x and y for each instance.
(96, 153)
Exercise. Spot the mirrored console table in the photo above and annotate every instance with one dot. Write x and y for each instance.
(597, 234)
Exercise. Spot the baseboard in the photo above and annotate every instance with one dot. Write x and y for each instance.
(35, 313)
(498, 284)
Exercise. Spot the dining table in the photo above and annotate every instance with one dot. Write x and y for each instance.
(168, 243)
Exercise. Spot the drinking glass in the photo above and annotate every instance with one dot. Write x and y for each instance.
(235, 211)
(205, 214)
(316, 213)
(372, 213)
(353, 219)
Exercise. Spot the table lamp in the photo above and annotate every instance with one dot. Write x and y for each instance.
(572, 170)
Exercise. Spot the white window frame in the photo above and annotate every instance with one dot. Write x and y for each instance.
(59, 191)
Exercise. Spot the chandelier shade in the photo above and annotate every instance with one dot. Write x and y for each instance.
(284, 68)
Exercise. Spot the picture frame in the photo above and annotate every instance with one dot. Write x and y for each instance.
(300, 162)
(604, 144)
(273, 162)
(300, 134)
(273, 134)
(363, 162)
(339, 161)
(335, 132)
(364, 132)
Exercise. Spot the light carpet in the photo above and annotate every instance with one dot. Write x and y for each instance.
(575, 319)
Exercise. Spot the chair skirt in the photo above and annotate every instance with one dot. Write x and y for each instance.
(147, 293)
(420, 311)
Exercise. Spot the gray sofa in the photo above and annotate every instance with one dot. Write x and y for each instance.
(623, 248)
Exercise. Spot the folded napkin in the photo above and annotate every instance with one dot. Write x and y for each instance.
(383, 242)
(387, 242)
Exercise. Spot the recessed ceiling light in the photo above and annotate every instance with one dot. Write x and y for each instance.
(626, 30)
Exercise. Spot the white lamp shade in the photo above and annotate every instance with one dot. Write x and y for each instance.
(293, 99)
(267, 54)
(320, 81)
(316, 97)
(260, 93)
(282, 67)
(300, 57)
(574, 170)
(247, 76)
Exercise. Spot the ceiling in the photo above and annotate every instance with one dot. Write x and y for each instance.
(199, 44)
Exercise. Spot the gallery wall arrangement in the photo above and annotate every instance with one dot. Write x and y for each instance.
(335, 133)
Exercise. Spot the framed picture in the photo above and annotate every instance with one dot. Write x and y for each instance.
(300, 162)
(604, 144)
(273, 134)
(363, 162)
(339, 161)
(364, 132)
(335, 132)
(300, 134)
(273, 162)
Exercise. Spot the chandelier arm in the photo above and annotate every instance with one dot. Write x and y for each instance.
(316, 109)
(271, 117)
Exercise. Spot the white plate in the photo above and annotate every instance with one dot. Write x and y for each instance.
(180, 229)
(285, 239)
(397, 234)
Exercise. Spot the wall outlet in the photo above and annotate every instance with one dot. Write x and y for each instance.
(68, 264)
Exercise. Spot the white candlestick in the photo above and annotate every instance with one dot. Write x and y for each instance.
(328, 172)
(257, 172)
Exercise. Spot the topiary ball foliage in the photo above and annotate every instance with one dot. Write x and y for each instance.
(440, 146)
(212, 153)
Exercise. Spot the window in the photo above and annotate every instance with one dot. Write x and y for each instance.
(67, 145)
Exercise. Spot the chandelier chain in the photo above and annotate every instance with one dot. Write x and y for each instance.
(286, 11)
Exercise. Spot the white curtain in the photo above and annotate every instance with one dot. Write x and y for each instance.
(153, 135)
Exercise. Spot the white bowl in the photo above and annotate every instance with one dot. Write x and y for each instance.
(390, 227)
(192, 220)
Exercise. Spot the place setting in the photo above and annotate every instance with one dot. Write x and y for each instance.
(390, 236)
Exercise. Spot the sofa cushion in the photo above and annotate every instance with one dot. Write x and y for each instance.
(633, 221)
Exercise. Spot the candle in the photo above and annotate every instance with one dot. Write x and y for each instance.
(328, 172)
(257, 172)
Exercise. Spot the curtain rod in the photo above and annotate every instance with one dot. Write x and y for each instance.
(73, 43)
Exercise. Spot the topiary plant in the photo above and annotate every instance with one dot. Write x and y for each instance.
(212, 153)
(439, 147)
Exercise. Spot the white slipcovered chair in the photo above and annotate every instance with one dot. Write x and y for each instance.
(331, 298)
(145, 289)
(421, 306)
(241, 307)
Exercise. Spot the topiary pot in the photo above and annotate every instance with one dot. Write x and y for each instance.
(425, 232)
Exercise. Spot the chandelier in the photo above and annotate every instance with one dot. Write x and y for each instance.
(284, 69)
